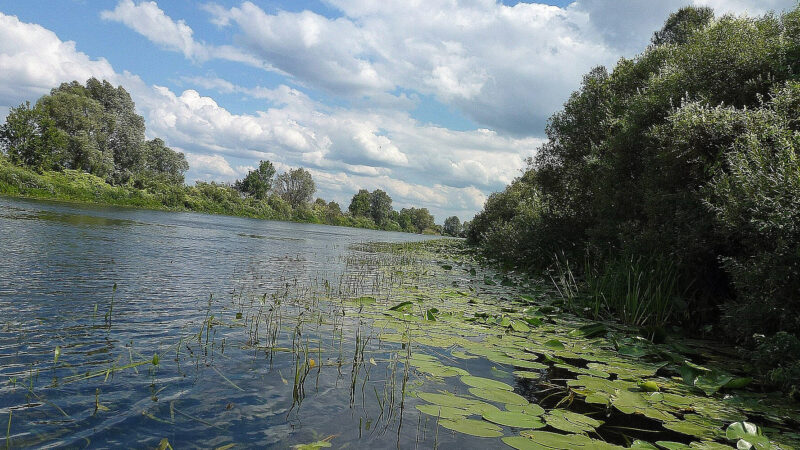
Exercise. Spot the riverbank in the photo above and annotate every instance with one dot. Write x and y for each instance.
(80, 187)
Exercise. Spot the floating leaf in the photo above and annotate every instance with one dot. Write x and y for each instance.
(531, 409)
(747, 434)
(363, 301)
(648, 386)
(485, 383)
(472, 427)
(499, 395)
(571, 422)
(519, 326)
(554, 344)
(401, 306)
(589, 331)
(445, 412)
(514, 419)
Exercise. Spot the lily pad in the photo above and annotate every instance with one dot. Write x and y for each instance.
(472, 427)
(530, 409)
(485, 383)
(571, 422)
(499, 395)
(445, 412)
(514, 419)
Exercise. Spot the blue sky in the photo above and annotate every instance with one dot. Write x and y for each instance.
(437, 102)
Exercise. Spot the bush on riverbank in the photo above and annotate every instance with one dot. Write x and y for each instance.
(686, 155)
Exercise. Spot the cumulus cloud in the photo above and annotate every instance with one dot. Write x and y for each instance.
(147, 19)
(34, 60)
(345, 148)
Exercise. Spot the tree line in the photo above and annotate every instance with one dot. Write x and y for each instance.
(79, 131)
(668, 192)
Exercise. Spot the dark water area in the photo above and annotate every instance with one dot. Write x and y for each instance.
(59, 265)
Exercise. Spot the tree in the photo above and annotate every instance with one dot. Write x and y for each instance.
(416, 220)
(162, 163)
(29, 138)
(682, 24)
(360, 204)
(380, 207)
(296, 187)
(452, 226)
(257, 183)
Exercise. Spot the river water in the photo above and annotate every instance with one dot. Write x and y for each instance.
(61, 268)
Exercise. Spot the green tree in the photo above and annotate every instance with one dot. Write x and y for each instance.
(257, 183)
(682, 24)
(360, 204)
(162, 163)
(296, 187)
(380, 207)
(30, 139)
(452, 226)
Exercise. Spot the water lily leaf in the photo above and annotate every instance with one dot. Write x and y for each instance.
(689, 372)
(589, 331)
(485, 383)
(669, 445)
(514, 419)
(519, 326)
(555, 344)
(430, 314)
(472, 427)
(472, 271)
(712, 382)
(499, 395)
(634, 351)
(648, 386)
(401, 306)
(471, 405)
(528, 374)
(445, 412)
(545, 440)
(747, 435)
(363, 301)
(643, 445)
(462, 355)
(531, 409)
(571, 422)
(738, 383)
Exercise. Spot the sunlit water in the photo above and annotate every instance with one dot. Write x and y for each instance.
(58, 269)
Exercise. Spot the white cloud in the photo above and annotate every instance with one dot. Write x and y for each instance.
(34, 60)
(214, 167)
(147, 19)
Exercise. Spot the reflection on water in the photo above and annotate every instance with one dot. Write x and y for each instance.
(113, 287)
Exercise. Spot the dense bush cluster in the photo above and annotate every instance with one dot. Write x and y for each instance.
(683, 164)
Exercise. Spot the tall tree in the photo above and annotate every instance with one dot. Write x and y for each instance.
(296, 187)
(257, 183)
(682, 24)
(452, 226)
(164, 163)
(380, 207)
(360, 204)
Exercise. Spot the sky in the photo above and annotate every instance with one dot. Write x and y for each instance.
(437, 102)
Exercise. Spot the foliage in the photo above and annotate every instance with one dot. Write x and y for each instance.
(686, 153)
(92, 128)
(380, 207)
(452, 226)
(257, 182)
(360, 204)
(296, 187)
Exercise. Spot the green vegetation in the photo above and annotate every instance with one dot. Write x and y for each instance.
(432, 339)
(669, 189)
(86, 144)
